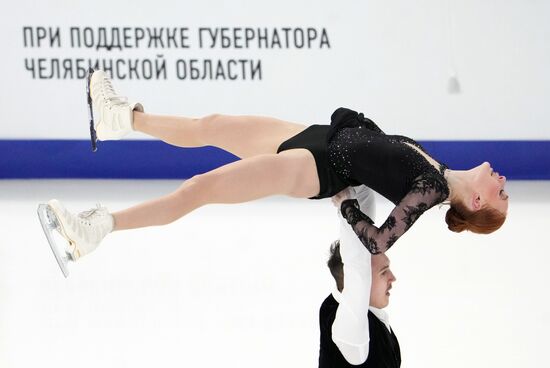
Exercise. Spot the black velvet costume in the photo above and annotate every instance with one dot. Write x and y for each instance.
(353, 150)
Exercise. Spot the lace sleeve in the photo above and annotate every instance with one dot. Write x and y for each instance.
(425, 193)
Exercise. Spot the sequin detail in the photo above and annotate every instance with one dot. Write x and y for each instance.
(341, 149)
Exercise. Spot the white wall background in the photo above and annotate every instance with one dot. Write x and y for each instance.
(391, 59)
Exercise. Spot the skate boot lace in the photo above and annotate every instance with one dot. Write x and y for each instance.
(88, 216)
(110, 94)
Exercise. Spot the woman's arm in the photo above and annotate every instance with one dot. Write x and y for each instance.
(424, 194)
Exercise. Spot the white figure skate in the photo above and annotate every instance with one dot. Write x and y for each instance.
(111, 115)
(73, 236)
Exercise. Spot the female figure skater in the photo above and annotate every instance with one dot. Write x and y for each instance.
(279, 157)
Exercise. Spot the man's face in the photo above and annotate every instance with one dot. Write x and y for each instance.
(382, 279)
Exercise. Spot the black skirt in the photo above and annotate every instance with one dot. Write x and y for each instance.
(314, 139)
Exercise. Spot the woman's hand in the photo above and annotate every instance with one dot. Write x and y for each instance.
(340, 197)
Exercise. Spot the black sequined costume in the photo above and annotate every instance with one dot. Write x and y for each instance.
(356, 151)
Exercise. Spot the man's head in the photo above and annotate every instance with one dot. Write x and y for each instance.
(382, 276)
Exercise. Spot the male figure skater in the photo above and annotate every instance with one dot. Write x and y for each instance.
(354, 329)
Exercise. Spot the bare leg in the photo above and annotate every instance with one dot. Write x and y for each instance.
(244, 136)
(290, 173)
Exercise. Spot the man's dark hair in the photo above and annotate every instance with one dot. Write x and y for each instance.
(335, 265)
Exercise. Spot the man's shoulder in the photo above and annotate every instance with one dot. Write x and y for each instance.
(329, 302)
(327, 313)
(328, 308)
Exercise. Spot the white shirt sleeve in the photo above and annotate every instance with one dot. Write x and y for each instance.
(350, 330)
(365, 197)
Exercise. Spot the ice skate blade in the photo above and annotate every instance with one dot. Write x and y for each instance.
(49, 223)
(93, 133)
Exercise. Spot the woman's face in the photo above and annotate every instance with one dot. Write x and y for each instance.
(489, 184)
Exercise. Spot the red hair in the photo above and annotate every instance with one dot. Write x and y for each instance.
(483, 221)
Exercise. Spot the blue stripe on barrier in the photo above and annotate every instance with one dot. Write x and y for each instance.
(52, 159)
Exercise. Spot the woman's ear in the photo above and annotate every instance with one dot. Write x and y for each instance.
(476, 201)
